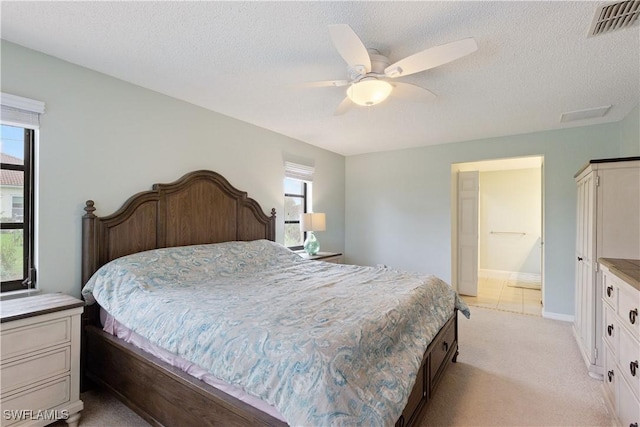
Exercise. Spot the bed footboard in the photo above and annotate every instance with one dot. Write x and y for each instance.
(159, 393)
(441, 352)
(165, 396)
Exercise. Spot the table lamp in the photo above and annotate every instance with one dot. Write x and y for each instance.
(312, 222)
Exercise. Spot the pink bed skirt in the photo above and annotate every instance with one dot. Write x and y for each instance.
(113, 327)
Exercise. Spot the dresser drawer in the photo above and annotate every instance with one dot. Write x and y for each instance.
(35, 368)
(609, 289)
(610, 373)
(44, 396)
(628, 405)
(629, 309)
(611, 326)
(628, 359)
(25, 339)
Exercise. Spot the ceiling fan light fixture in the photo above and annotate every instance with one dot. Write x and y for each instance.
(369, 92)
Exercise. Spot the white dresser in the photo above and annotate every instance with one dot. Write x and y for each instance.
(40, 360)
(607, 226)
(621, 302)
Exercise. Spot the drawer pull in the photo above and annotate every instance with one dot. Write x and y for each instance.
(610, 330)
(579, 258)
(445, 346)
(633, 315)
(609, 290)
(610, 375)
(633, 367)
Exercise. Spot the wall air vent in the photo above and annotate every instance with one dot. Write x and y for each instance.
(615, 16)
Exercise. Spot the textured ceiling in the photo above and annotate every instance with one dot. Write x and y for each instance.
(248, 60)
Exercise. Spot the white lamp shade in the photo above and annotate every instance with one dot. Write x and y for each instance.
(369, 92)
(313, 222)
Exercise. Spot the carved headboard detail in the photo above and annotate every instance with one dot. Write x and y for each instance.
(201, 207)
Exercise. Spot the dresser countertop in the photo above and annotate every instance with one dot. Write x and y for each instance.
(626, 269)
(20, 308)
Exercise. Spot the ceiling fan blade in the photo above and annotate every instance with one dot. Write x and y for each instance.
(350, 47)
(327, 83)
(409, 92)
(431, 58)
(343, 107)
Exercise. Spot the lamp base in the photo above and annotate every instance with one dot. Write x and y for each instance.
(311, 244)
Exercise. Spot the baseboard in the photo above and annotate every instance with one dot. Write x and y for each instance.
(557, 316)
(502, 274)
(493, 274)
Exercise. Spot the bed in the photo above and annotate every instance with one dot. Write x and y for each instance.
(203, 212)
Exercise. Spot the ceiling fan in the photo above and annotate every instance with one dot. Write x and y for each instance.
(368, 70)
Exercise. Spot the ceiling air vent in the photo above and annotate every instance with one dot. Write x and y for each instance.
(589, 113)
(615, 16)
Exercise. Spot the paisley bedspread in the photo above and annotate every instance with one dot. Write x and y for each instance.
(326, 344)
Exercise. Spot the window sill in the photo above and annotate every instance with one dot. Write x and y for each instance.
(18, 294)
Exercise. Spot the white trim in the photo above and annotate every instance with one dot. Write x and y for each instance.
(21, 103)
(19, 111)
(557, 316)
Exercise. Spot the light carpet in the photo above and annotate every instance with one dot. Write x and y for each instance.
(517, 370)
(513, 370)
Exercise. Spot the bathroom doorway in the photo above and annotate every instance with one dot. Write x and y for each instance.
(507, 249)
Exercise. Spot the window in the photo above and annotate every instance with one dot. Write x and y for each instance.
(297, 200)
(15, 206)
(295, 204)
(19, 119)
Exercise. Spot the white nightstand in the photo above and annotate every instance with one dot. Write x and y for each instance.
(333, 257)
(40, 360)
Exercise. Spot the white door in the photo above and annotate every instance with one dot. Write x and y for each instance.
(468, 190)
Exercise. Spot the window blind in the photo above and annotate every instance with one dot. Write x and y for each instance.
(19, 111)
(298, 171)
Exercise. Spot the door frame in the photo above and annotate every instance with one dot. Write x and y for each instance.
(492, 164)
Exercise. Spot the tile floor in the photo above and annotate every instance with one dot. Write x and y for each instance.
(495, 292)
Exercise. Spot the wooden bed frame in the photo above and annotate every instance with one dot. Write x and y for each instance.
(201, 207)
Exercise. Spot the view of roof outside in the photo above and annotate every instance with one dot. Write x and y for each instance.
(11, 202)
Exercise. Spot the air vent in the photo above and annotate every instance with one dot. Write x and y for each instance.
(615, 16)
(589, 113)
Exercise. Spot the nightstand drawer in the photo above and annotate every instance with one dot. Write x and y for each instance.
(17, 341)
(45, 396)
(35, 368)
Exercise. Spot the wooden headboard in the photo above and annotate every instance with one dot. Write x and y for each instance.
(201, 207)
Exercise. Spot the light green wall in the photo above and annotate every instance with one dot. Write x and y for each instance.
(398, 207)
(630, 134)
(104, 139)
